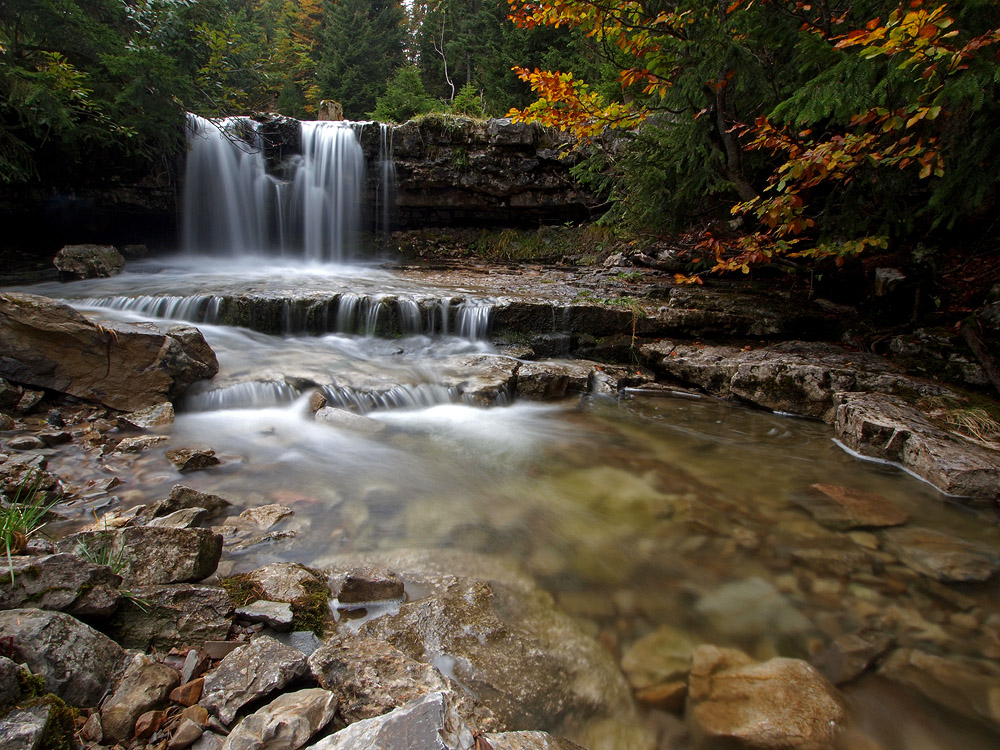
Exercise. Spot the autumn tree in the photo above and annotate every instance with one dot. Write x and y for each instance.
(831, 126)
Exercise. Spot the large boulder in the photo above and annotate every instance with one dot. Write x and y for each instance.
(151, 555)
(88, 262)
(371, 678)
(59, 582)
(47, 344)
(781, 704)
(527, 662)
(76, 661)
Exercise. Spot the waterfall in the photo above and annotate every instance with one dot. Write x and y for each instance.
(234, 206)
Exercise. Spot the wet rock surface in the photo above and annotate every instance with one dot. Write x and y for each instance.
(88, 261)
(778, 704)
(50, 345)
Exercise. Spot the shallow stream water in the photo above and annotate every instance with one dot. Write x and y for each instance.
(636, 513)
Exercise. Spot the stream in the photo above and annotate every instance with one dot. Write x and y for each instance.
(653, 510)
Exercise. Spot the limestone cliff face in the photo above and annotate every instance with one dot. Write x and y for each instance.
(460, 172)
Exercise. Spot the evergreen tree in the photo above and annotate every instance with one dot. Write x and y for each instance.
(363, 44)
(404, 98)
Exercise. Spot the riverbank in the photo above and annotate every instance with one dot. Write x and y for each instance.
(477, 645)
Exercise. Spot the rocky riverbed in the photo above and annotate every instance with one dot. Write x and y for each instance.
(145, 622)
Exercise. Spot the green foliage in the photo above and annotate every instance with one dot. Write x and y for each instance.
(468, 102)
(363, 44)
(404, 98)
(312, 611)
(23, 517)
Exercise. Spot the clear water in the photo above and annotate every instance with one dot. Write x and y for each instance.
(635, 513)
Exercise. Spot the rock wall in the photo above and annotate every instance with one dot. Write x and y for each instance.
(459, 172)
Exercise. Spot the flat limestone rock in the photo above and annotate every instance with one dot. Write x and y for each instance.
(366, 584)
(553, 379)
(530, 741)
(275, 615)
(282, 582)
(49, 345)
(888, 428)
(88, 261)
(941, 556)
(144, 687)
(158, 415)
(797, 377)
(845, 508)
(248, 673)
(24, 728)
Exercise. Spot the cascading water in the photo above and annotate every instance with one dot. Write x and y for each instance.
(234, 206)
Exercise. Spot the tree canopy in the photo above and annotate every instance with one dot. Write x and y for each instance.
(827, 127)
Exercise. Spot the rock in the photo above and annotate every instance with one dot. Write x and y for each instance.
(780, 704)
(192, 459)
(76, 661)
(25, 728)
(303, 640)
(287, 723)
(282, 582)
(10, 394)
(7, 423)
(266, 516)
(796, 377)
(151, 555)
(149, 723)
(144, 687)
(275, 615)
(61, 582)
(158, 415)
(850, 655)
(248, 673)
(941, 556)
(348, 420)
(186, 518)
(182, 498)
(888, 428)
(209, 741)
(330, 110)
(525, 661)
(752, 607)
(962, 688)
(10, 685)
(140, 443)
(189, 693)
(123, 366)
(429, 723)
(52, 438)
(662, 656)
(185, 735)
(367, 584)
(88, 262)
(530, 741)
(548, 380)
(92, 730)
(25, 443)
(845, 508)
(666, 696)
(371, 677)
(174, 615)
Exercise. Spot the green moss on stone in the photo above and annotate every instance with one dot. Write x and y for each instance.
(312, 611)
(242, 589)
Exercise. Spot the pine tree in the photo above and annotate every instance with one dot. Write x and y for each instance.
(363, 44)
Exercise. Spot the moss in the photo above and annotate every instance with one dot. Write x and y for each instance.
(31, 685)
(242, 589)
(312, 611)
(62, 723)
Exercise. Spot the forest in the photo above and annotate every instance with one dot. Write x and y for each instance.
(767, 131)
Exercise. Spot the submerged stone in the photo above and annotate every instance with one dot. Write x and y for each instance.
(941, 556)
